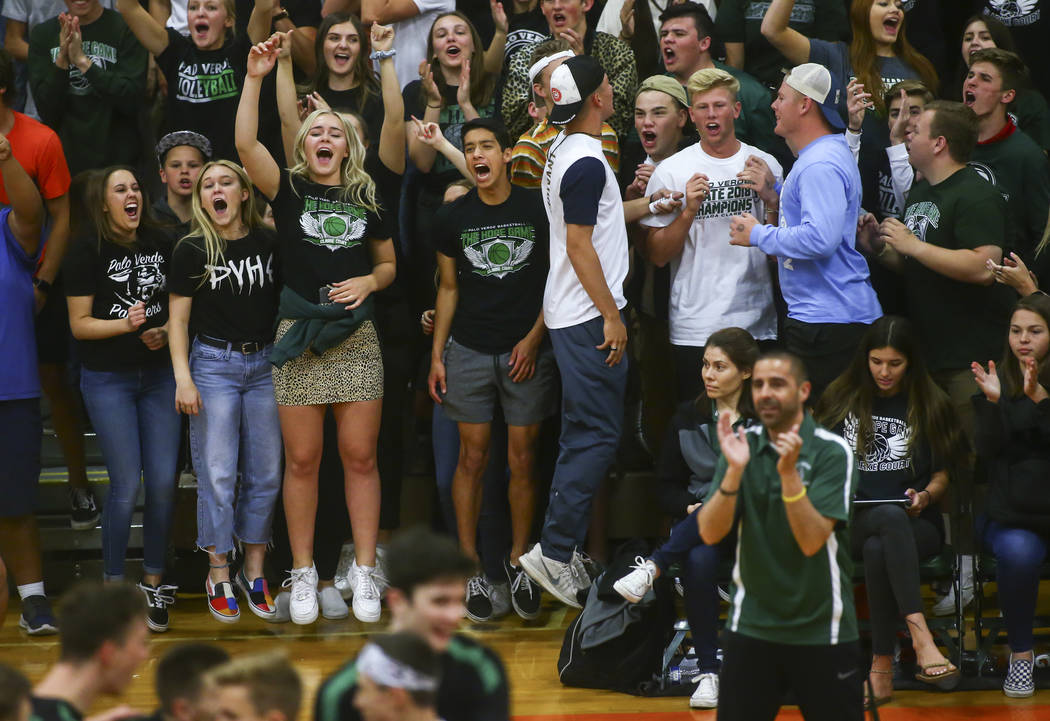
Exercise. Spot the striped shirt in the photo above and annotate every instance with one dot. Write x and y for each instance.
(779, 594)
(530, 153)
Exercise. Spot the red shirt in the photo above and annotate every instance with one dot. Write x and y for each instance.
(39, 151)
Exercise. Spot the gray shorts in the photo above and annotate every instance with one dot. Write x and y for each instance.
(477, 381)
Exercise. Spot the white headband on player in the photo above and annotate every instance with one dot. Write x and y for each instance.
(539, 65)
(385, 671)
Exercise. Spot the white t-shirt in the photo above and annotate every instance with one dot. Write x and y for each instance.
(565, 302)
(32, 13)
(177, 20)
(411, 35)
(716, 285)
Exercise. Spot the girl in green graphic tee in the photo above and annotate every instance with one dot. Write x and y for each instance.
(335, 252)
(204, 72)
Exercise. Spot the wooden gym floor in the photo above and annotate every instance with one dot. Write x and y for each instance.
(529, 651)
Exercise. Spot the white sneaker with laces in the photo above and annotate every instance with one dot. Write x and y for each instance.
(637, 583)
(333, 607)
(303, 585)
(706, 694)
(364, 582)
(561, 580)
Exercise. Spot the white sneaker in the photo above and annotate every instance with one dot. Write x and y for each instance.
(637, 583)
(561, 580)
(363, 584)
(303, 583)
(946, 605)
(346, 562)
(333, 606)
(706, 694)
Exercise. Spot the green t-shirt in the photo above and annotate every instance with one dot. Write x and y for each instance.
(94, 113)
(1017, 167)
(778, 593)
(958, 322)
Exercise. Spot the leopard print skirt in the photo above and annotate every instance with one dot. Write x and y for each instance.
(352, 371)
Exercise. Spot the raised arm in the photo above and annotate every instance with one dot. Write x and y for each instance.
(792, 44)
(494, 55)
(147, 28)
(422, 153)
(430, 135)
(716, 516)
(387, 11)
(287, 105)
(260, 20)
(27, 210)
(808, 525)
(392, 134)
(257, 160)
(122, 83)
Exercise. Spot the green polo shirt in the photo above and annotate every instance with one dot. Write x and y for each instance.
(779, 594)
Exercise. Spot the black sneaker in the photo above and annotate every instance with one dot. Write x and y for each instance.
(479, 603)
(158, 598)
(83, 513)
(36, 618)
(524, 594)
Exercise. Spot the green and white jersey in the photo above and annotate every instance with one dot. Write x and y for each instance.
(779, 594)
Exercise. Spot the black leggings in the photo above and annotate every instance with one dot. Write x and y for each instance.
(891, 543)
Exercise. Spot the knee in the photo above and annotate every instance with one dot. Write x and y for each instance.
(357, 463)
(520, 461)
(472, 459)
(1019, 549)
(703, 561)
(301, 464)
(873, 551)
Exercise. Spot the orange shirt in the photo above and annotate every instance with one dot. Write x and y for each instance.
(39, 151)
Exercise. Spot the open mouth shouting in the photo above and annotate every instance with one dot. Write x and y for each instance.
(559, 20)
(712, 129)
(342, 58)
(969, 98)
(891, 25)
(670, 57)
(201, 29)
(482, 171)
(131, 209)
(648, 139)
(220, 206)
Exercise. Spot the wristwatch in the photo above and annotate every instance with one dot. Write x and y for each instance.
(283, 15)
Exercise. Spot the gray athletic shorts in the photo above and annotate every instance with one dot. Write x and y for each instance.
(477, 381)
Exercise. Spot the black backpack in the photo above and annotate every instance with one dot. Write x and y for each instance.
(617, 645)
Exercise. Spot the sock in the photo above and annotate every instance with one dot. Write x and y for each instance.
(31, 589)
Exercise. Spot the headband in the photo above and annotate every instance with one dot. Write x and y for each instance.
(539, 65)
(385, 671)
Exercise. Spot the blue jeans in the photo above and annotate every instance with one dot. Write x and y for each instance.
(493, 541)
(591, 421)
(237, 429)
(1019, 553)
(133, 413)
(699, 575)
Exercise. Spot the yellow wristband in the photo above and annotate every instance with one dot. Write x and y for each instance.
(796, 497)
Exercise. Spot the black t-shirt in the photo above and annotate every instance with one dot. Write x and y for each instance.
(958, 322)
(371, 109)
(501, 253)
(473, 687)
(119, 276)
(237, 300)
(204, 88)
(323, 238)
(54, 709)
(525, 29)
(889, 468)
(388, 187)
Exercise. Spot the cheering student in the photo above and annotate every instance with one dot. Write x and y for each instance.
(335, 252)
(490, 347)
(205, 71)
(180, 155)
(223, 285)
(1013, 433)
(118, 312)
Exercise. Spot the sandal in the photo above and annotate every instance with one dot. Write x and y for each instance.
(872, 701)
(946, 681)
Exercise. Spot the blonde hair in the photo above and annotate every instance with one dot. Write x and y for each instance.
(357, 186)
(710, 78)
(202, 226)
(272, 682)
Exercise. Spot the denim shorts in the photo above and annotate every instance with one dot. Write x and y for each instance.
(476, 381)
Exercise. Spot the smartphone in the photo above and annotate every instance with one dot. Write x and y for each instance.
(322, 295)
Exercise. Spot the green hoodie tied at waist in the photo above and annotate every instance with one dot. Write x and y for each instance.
(316, 327)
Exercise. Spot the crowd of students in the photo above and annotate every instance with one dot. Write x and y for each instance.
(860, 227)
